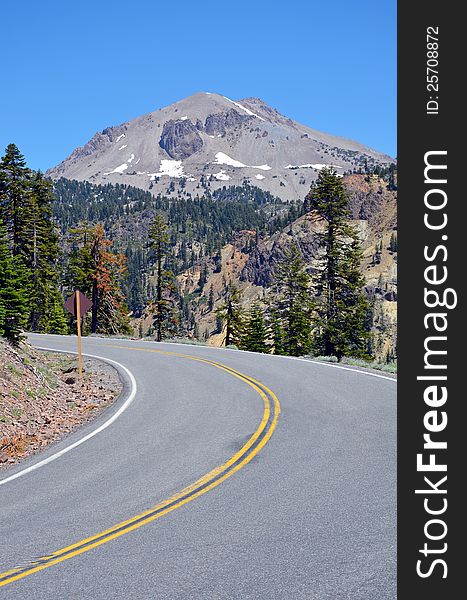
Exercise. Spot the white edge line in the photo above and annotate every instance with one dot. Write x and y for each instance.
(318, 362)
(87, 437)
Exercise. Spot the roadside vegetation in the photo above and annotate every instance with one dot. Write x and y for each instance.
(42, 399)
(387, 367)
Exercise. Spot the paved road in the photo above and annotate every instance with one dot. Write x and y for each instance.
(309, 513)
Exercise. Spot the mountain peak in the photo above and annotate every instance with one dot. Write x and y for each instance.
(210, 137)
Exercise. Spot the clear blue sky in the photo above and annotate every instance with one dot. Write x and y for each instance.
(70, 69)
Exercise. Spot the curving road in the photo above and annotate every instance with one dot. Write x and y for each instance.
(200, 489)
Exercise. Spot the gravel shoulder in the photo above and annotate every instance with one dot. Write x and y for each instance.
(42, 399)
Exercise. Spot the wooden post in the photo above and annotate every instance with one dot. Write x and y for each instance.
(78, 328)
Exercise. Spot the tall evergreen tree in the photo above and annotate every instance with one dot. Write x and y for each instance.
(255, 333)
(293, 304)
(165, 319)
(110, 312)
(277, 330)
(230, 315)
(211, 298)
(343, 313)
(81, 267)
(97, 271)
(26, 208)
(14, 306)
(15, 200)
(203, 277)
(43, 262)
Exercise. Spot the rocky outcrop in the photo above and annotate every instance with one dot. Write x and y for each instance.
(219, 123)
(259, 268)
(371, 200)
(260, 107)
(180, 139)
(99, 141)
(96, 145)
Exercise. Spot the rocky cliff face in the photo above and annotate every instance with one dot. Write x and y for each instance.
(97, 145)
(370, 199)
(260, 265)
(218, 124)
(180, 139)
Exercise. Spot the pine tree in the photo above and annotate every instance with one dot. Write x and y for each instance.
(110, 313)
(53, 319)
(203, 277)
(97, 271)
(81, 266)
(255, 333)
(14, 307)
(293, 304)
(230, 315)
(343, 314)
(211, 298)
(165, 318)
(277, 331)
(46, 303)
(15, 200)
(26, 207)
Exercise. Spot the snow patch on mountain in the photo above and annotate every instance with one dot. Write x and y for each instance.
(124, 146)
(222, 176)
(171, 168)
(120, 137)
(258, 176)
(118, 169)
(225, 159)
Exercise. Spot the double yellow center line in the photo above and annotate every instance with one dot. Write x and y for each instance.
(207, 482)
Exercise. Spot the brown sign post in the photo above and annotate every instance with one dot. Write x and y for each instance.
(78, 305)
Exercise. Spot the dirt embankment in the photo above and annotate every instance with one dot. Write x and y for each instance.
(42, 399)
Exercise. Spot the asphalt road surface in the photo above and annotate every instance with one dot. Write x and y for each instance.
(202, 487)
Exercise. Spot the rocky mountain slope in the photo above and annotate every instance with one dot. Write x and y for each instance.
(208, 137)
(250, 265)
